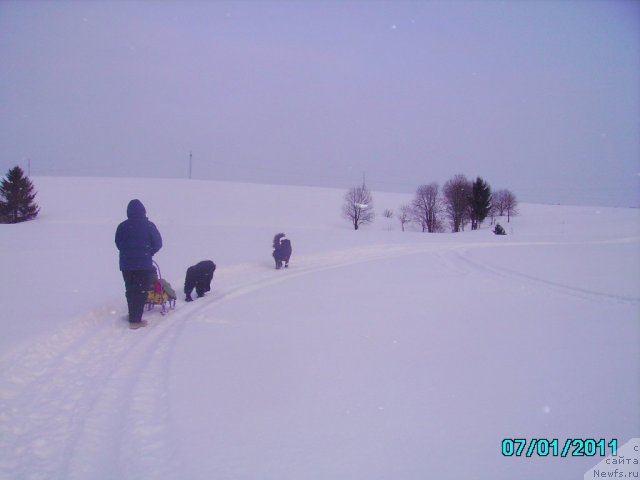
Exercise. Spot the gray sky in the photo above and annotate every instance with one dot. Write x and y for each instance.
(542, 97)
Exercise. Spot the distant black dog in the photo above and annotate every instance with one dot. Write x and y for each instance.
(281, 251)
(199, 276)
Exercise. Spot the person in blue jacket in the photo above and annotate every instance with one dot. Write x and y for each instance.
(138, 240)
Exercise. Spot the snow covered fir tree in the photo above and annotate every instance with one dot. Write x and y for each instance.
(17, 197)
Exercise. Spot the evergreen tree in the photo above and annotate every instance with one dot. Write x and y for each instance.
(17, 198)
(480, 202)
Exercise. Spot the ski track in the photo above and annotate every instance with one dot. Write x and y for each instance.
(91, 400)
(505, 274)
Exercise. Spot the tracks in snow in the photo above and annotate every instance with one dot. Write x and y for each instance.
(91, 400)
(506, 274)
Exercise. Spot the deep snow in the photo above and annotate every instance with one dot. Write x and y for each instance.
(378, 354)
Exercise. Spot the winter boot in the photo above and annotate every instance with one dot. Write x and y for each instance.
(136, 325)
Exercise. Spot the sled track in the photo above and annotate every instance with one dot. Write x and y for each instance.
(505, 274)
(67, 397)
(87, 400)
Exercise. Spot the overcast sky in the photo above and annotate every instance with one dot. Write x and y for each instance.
(541, 97)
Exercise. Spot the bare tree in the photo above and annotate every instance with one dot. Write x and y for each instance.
(510, 204)
(493, 211)
(427, 207)
(504, 201)
(406, 212)
(498, 202)
(388, 214)
(358, 206)
(457, 192)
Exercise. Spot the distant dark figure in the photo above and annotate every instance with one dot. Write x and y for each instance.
(498, 230)
(199, 276)
(138, 240)
(281, 251)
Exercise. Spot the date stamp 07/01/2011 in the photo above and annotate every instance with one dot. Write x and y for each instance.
(571, 447)
(615, 461)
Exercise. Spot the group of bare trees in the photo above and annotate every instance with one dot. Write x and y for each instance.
(461, 202)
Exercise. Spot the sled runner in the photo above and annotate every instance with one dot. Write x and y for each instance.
(161, 294)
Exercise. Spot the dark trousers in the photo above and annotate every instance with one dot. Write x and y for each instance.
(136, 284)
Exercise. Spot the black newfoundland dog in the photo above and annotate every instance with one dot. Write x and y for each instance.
(281, 251)
(199, 276)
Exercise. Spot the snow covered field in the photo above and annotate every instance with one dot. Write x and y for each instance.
(379, 354)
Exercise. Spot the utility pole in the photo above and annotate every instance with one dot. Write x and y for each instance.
(363, 182)
(190, 163)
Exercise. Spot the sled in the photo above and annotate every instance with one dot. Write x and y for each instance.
(158, 296)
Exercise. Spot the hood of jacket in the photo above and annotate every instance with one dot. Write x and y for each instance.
(136, 209)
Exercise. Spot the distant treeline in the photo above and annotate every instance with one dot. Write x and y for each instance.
(459, 203)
